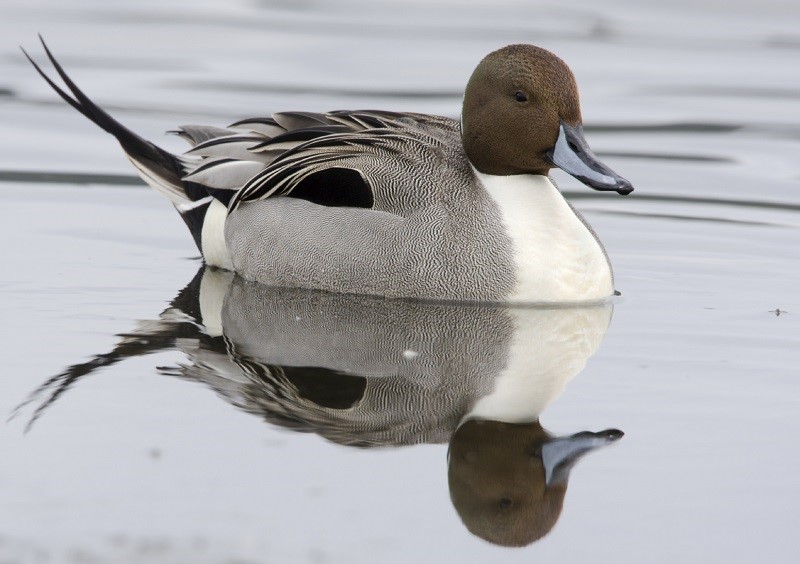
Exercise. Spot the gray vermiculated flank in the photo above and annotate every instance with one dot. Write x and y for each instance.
(432, 233)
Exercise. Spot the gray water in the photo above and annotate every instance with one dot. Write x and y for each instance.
(176, 445)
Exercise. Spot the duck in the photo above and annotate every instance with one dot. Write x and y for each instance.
(394, 204)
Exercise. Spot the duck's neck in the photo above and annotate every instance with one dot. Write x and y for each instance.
(558, 258)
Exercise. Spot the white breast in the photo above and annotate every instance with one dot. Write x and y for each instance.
(557, 257)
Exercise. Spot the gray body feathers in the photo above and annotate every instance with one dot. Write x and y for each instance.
(411, 219)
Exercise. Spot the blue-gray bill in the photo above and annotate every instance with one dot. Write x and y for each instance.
(560, 455)
(572, 155)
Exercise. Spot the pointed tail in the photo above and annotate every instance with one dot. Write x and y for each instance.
(158, 168)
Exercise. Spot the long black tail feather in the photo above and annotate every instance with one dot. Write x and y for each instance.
(152, 156)
(157, 337)
(157, 162)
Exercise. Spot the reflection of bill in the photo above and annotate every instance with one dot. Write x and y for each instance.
(369, 372)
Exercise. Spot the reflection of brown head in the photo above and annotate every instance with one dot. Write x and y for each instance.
(497, 482)
(507, 480)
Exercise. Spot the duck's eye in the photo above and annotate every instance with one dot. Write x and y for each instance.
(520, 96)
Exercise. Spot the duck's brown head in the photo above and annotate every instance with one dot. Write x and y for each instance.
(521, 115)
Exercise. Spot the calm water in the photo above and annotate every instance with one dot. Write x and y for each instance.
(184, 416)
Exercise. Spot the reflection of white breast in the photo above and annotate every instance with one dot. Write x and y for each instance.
(549, 348)
(557, 258)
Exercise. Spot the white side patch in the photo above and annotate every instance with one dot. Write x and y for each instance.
(212, 238)
(557, 258)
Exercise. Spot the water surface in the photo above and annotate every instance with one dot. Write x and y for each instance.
(176, 444)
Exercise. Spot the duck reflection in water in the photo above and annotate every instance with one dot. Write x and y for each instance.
(369, 372)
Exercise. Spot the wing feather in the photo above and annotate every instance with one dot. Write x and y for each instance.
(315, 156)
(197, 134)
(225, 173)
(264, 125)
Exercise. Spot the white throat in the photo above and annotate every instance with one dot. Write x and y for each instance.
(557, 257)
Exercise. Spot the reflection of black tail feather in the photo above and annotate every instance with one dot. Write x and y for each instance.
(178, 321)
(132, 345)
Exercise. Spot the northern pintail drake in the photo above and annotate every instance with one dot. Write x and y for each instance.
(395, 204)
